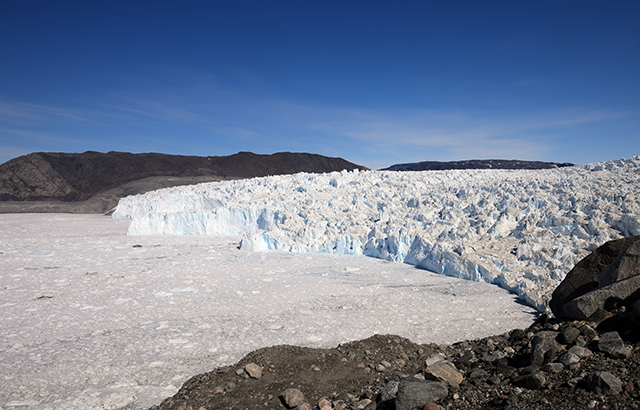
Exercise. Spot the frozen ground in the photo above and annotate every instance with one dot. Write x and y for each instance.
(521, 230)
(91, 318)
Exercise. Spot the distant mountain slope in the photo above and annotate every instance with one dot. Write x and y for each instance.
(64, 177)
(476, 164)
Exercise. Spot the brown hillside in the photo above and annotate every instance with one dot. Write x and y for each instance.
(64, 177)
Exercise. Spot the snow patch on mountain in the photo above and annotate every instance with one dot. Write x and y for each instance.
(521, 230)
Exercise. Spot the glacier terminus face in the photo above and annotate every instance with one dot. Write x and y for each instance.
(522, 230)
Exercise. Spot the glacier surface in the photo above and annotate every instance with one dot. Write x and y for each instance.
(521, 230)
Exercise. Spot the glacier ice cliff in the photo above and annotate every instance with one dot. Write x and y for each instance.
(521, 230)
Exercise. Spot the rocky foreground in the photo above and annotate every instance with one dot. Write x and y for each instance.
(557, 363)
(552, 365)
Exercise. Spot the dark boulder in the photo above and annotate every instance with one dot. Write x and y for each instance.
(544, 348)
(583, 278)
(617, 294)
(627, 264)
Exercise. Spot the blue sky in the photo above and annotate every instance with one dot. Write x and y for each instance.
(374, 82)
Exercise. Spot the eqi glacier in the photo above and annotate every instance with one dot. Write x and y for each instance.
(521, 230)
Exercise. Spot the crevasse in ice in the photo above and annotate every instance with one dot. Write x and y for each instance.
(522, 230)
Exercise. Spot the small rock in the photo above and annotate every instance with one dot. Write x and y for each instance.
(253, 370)
(230, 386)
(536, 381)
(371, 406)
(553, 367)
(494, 380)
(490, 358)
(432, 406)
(324, 404)
(386, 364)
(389, 391)
(604, 383)
(568, 359)
(609, 342)
(573, 383)
(569, 335)
(362, 404)
(506, 371)
(518, 334)
(303, 406)
(581, 342)
(478, 374)
(344, 397)
(444, 371)
(544, 347)
(513, 400)
(218, 390)
(465, 360)
(435, 359)
(620, 352)
(581, 352)
(292, 398)
(588, 331)
(530, 369)
(414, 393)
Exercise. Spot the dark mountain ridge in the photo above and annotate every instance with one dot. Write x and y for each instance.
(66, 177)
(476, 164)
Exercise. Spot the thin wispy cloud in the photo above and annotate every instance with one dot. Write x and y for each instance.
(7, 153)
(13, 134)
(406, 132)
(428, 84)
(463, 134)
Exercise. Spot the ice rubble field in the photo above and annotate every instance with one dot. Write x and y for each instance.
(521, 230)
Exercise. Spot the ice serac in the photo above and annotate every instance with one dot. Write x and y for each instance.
(521, 230)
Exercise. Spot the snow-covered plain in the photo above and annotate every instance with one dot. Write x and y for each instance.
(521, 230)
(92, 318)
